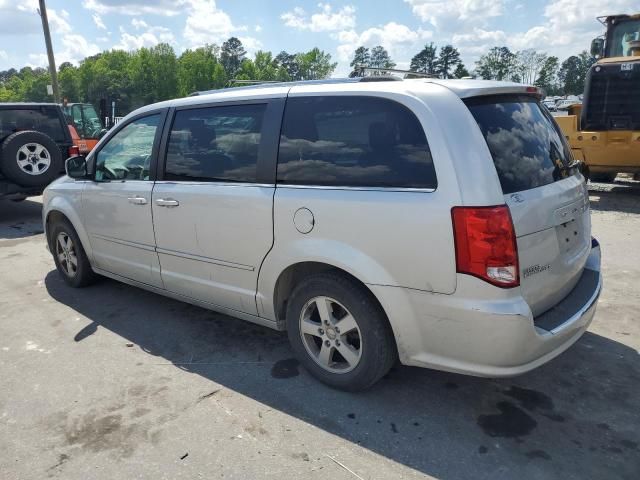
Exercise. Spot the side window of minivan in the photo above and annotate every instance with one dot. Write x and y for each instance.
(127, 155)
(215, 144)
(356, 141)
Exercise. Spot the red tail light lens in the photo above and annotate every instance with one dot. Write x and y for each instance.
(74, 151)
(485, 243)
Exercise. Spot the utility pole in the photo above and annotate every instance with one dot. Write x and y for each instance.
(52, 62)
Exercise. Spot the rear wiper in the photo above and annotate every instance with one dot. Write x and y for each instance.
(582, 167)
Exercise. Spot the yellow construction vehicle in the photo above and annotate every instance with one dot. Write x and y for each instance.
(604, 131)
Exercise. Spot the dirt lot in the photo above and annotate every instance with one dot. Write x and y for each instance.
(113, 382)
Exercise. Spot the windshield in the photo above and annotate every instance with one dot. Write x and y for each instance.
(620, 38)
(85, 119)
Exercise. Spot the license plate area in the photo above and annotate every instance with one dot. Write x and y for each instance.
(571, 239)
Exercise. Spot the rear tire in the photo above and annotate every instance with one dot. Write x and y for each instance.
(30, 159)
(69, 255)
(366, 339)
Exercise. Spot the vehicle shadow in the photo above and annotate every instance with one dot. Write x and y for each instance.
(615, 201)
(573, 418)
(20, 219)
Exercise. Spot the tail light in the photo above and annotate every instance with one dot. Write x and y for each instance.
(485, 243)
(74, 151)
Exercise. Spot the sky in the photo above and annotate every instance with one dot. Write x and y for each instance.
(85, 27)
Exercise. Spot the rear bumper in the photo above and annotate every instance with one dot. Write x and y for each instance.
(465, 333)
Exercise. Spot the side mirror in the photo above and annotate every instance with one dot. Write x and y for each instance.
(597, 47)
(76, 167)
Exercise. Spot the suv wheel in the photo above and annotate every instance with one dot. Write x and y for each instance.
(30, 159)
(339, 333)
(69, 256)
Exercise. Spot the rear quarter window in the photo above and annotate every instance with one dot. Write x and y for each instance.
(526, 144)
(353, 141)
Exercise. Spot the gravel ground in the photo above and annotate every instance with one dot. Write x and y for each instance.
(114, 382)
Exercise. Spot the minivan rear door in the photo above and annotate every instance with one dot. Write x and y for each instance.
(546, 194)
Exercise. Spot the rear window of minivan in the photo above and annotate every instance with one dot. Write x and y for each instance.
(527, 146)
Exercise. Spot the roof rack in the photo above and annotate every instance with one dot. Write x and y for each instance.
(236, 81)
(250, 84)
(360, 71)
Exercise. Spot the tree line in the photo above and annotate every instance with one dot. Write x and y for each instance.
(148, 75)
(499, 63)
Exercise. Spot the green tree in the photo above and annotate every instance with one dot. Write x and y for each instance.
(315, 64)
(573, 72)
(69, 81)
(547, 77)
(380, 58)
(219, 76)
(425, 61)
(461, 71)
(448, 59)
(195, 69)
(231, 55)
(290, 64)
(497, 64)
(361, 57)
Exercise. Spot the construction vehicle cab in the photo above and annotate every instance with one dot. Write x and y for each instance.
(86, 123)
(605, 130)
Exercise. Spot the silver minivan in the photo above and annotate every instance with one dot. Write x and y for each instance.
(441, 223)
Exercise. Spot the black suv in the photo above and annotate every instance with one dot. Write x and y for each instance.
(34, 141)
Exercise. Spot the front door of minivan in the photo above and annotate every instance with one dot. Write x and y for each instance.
(117, 205)
(212, 210)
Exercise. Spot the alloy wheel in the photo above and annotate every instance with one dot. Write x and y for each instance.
(33, 159)
(330, 335)
(66, 253)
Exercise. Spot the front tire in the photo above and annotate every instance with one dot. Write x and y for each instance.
(69, 256)
(339, 333)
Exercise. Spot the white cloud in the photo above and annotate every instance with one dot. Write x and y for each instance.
(4, 55)
(496, 37)
(149, 38)
(258, 28)
(474, 26)
(206, 23)
(251, 44)
(98, 21)
(139, 24)
(569, 26)
(396, 38)
(441, 13)
(75, 48)
(324, 21)
(167, 8)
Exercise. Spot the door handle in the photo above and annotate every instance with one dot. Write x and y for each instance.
(138, 200)
(167, 202)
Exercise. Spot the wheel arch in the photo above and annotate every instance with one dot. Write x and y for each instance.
(57, 210)
(296, 272)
